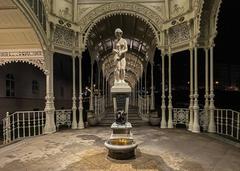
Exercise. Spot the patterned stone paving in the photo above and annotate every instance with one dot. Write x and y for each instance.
(83, 150)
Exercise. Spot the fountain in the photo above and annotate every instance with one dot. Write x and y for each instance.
(120, 145)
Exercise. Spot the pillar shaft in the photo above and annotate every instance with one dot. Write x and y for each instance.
(152, 89)
(191, 92)
(50, 126)
(74, 106)
(211, 126)
(196, 127)
(206, 106)
(91, 95)
(80, 122)
(170, 107)
(163, 106)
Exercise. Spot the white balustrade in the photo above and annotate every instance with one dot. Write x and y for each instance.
(22, 124)
(144, 107)
(227, 122)
(99, 109)
(30, 123)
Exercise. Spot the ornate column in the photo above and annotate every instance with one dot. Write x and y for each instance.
(196, 127)
(99, 73)
(163, 106)
(103, 90)
(141, 85)
(80, 122)
(50, 126)
(145, 88)
(211, 126)
(170, 107)
(191, 91)
(152, 89)
(74, 106)
(91, 95)
(206, 106)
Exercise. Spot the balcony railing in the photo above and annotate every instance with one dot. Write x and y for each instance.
(24, 124)
(227, 121)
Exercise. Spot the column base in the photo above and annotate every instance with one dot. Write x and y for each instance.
(74, 125)
(163, 125)
(49, 130)
(212, 129)
(170, 125)
(190, 127)
(196, 129)
(50, 126)
(80, 125)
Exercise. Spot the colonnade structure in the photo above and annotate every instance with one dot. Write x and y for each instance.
(72, 27)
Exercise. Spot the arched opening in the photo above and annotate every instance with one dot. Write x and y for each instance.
(22, 88)
(141, 42)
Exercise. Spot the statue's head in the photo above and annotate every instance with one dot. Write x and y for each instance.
(118, 33)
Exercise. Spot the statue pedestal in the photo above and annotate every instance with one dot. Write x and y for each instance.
(120, 93)
(121, 145)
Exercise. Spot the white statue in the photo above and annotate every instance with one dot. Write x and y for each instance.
(119, 50)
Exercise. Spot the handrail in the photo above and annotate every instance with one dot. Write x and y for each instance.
(99, 107)
(144, 107)
(22, 124)
(227, 120)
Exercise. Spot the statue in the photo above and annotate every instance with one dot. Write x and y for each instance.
(120, 117)
(119, 50)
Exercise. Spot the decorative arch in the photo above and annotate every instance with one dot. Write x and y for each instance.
(33, 57)
(38, 64)
(208, 22)
(152, 19)
(33, 20)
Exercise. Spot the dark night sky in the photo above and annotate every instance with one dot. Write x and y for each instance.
(228, 33)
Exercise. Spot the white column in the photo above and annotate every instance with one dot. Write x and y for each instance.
(74, 106)
(206, 106)
(50, 126)
(191, 92)
(141, 85)
(145, 88)
(107, 98)
(99, 73)
(163, 106)
(91, 95)
(196, 127)
(145, 83)
(103, 91)
(211, 126)
(170, 107)
(80, 122)
(152, 89)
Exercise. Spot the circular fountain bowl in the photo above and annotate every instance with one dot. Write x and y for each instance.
(121, 149)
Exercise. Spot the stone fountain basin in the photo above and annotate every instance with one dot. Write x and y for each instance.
(121, 151)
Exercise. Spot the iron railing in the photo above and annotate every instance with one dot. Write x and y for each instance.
(24, 124)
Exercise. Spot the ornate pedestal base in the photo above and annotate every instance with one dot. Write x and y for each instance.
(121, 145)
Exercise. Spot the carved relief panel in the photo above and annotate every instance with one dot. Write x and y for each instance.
(63, 9)
(63, 37)
(178, 7)
(179, 33)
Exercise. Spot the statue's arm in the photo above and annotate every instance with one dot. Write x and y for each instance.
(126, 47)
(114, 48)
(124, 50)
